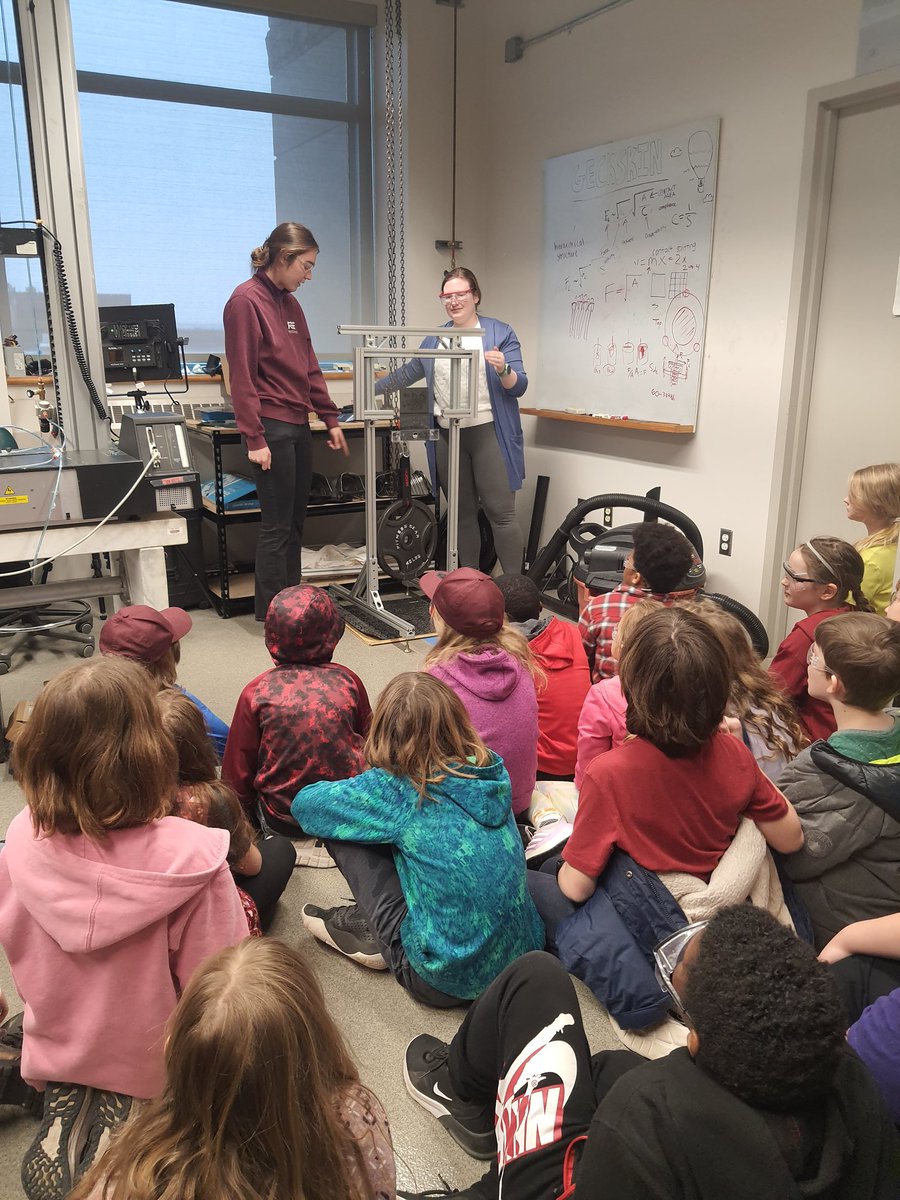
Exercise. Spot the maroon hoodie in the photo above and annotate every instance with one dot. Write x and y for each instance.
(273, 368)
(302, 721)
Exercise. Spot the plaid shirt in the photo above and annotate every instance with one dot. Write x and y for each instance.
(602, 614)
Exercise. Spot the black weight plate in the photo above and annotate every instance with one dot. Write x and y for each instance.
(405, 541)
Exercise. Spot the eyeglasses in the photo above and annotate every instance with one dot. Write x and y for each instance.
(446, 297)
(669, 953)
(306, 265)
(817, 664)
(801, 578)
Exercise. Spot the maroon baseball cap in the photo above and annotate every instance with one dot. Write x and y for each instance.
(469, 601)
(143, 633)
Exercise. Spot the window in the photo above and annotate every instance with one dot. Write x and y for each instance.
(202, 129)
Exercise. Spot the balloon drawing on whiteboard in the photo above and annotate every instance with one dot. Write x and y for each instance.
(700, 155)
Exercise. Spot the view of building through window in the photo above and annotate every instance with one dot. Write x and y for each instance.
(202, 129)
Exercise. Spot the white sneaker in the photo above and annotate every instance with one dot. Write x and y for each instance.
(547, 839)
(311, 852)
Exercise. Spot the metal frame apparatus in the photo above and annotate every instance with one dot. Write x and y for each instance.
(379, 342)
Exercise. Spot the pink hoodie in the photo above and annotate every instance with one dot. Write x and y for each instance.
(102, 937)
(601, 724)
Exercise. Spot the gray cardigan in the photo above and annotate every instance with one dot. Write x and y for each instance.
(849, 868)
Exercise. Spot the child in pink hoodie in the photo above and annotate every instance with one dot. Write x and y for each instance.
(491, 669)
(106, 907)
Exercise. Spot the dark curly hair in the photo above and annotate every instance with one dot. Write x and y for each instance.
(662, 556)
(521, 598)
(767, 1013)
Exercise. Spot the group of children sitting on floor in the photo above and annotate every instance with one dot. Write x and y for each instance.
(670, 873)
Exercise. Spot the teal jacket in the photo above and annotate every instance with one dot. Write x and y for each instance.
(460, 862)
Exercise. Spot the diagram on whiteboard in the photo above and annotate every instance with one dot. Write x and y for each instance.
(627, 241)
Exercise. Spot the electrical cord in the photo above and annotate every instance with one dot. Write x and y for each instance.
(155, 457)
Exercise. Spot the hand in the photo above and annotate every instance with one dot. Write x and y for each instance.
(496, 359)
(337, 441)
(262, 458)
(731, 725)
(834, 951)
(892, 612)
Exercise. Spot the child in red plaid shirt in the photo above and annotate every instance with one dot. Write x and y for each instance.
(661, 558)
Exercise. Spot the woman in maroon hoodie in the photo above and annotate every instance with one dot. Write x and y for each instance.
(276, 385)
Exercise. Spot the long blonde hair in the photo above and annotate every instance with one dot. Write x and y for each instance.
(754, 698)
(877, 489)
(449, 644)
(421, 731)
(255, 1067)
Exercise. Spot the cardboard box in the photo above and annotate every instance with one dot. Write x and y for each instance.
(19, 718)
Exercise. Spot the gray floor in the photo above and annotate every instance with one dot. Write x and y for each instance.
(376, 1015)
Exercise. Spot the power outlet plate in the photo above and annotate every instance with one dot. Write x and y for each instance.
(726, 537)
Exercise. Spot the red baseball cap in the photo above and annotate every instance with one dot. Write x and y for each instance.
(468, 600)
(143, 633)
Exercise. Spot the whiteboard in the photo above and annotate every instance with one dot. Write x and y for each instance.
(627, 240)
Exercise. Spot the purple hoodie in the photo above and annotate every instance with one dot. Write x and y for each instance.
(501, 702)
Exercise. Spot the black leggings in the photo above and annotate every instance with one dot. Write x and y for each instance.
(522, 1047)
(266, 887)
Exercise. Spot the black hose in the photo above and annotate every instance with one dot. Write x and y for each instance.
(747, 618)
(72, 324)
(548, 557)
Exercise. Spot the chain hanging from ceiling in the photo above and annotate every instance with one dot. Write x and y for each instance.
(394, 101)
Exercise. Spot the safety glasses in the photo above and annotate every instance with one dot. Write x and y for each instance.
(669, 953)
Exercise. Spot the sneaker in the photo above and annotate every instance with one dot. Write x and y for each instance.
(13, 1088)
(106, 1111)
(311, 852)
(547, 840)
(427, 1077)
(346, 930)
(51, 1161)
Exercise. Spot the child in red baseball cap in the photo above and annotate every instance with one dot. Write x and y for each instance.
(491, 669)
(152, 637)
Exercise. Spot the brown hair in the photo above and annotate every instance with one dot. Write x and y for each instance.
(675, 678)
(466, 276)
(863, 650)
(755, 698)
(839, 564)
(255, 1071)
(877, 489)
(201, 797)
(287, 241)
(450, 643)
(164, 671)
(421, 731)
(93, 756)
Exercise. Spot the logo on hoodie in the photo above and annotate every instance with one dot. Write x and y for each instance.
(292, 326)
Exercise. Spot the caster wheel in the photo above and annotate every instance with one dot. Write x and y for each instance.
(4, 666)
(87, 651)
(84, 626)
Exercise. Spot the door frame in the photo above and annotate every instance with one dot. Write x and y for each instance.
(825, 107)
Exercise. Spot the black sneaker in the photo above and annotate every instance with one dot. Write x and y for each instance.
(107, 1110)
(51, 1161)
(427, 1079)
(13, 1088)
(346, 930)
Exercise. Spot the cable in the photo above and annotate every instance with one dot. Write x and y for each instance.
(154, 460)
(54, 494)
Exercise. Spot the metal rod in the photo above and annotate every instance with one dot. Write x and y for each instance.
(523, 43)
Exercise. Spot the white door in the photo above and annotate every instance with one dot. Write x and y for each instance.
(854, 414)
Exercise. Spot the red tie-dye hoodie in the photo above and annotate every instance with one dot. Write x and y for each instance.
(304, 720)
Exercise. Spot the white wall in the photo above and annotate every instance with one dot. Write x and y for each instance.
(645, 66)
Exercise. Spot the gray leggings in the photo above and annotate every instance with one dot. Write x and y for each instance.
(483, 480)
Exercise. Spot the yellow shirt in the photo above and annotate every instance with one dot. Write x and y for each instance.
(878, 578)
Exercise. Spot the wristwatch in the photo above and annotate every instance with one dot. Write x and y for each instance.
(507, 370)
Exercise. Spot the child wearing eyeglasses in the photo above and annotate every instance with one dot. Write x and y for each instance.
(765, 1100)
(846, 791)
(819, 577)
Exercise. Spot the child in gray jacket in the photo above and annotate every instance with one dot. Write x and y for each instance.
(847, 790)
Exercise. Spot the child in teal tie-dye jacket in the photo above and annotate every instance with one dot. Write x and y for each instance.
(427, 842)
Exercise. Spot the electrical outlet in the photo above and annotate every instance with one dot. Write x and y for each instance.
(607, 517)
(726, 537)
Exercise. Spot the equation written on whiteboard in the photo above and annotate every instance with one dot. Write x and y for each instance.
(628, 231)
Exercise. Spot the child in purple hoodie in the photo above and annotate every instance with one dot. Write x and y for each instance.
(491, 669)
